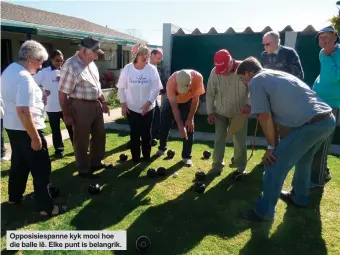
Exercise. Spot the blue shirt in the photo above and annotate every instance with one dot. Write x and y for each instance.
(290, 101)
(327, 85)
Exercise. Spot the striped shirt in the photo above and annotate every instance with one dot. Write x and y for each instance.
(226, 95)
(80, 81)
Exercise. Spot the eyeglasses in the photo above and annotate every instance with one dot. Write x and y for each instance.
(266, 44)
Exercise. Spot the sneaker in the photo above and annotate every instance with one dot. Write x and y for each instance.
(160, 153)
(187, 162)
(4, 158)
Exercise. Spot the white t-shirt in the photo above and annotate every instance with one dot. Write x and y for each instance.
(48, 79)
(18, 88)
(136, 87)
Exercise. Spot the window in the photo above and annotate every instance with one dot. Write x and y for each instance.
(126, 57)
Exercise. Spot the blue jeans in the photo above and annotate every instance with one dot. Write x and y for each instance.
(167, 118)
(296, 149)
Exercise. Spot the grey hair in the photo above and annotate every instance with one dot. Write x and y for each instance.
(33, 47)
(275, 35)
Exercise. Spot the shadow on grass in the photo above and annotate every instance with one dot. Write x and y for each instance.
(299, 233)
(179, 225)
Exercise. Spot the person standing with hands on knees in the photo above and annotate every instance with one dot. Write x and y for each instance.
(49, 78)
(138, 87)
(183, 90)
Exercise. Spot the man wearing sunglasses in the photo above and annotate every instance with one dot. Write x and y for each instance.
(279, 57)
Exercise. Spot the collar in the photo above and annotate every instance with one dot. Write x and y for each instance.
(236, 63)
(278, 49)
(53, 68)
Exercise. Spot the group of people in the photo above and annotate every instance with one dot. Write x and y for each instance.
(288, 111)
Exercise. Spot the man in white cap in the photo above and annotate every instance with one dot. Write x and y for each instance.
(227, 101)
(183, 91)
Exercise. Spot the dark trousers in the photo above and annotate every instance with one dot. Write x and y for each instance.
(54, 118)
(156, 123)
(167, 118)
(25, 160)
(319, 166)
(3, 150)
(140, 127)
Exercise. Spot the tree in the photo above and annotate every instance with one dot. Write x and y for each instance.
(336, 22)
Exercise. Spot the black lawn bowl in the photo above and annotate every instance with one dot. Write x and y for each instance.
(206, 154)
(161, 171)
(200, 176)
(54, 191)
(152, 173)
(199, 187)
(154, 142)
(171, 153)
(123, 157)
(94, 189)
(143, 243)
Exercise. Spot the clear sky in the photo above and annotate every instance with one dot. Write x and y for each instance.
(145, 19)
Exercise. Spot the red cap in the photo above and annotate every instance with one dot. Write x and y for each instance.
(221, 60)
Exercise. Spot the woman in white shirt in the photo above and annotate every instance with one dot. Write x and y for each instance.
(48, 78)
(24, 120)
(138, 87)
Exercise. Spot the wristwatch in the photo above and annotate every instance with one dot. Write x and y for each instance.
(269, 147)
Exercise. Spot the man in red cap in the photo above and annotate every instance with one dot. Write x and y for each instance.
(227, 102)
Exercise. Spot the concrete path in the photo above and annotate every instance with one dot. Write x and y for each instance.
(199, 136)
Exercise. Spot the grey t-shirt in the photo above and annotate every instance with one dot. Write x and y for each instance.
(291, 101)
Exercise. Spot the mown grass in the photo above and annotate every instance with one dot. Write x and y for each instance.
(177, 219)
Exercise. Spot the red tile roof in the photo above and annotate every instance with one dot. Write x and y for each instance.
(30, 15)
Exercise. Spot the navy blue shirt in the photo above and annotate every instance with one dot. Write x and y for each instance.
(285, 59)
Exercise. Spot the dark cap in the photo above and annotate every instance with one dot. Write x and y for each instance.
(327, 29)
(91, 43)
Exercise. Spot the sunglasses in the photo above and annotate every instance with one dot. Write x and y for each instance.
(266, 44)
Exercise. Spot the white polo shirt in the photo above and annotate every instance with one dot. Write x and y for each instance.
(47, 78)
(136, 87)
(18, 88)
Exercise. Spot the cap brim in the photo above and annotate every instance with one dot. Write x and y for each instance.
(221, 69)
(99, 52)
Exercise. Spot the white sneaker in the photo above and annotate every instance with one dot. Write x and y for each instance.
(4, 159)
(160, 153)
(187, 162)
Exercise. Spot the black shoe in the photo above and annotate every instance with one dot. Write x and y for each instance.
(154, 142)
(286, 197)
(88, 175)
(238, 175)
(251, 216)
(58, 155)
(328, 177)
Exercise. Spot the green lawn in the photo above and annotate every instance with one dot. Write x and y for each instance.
(178, 220)
(201, 125)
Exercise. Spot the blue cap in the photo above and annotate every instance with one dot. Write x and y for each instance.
(327, 29)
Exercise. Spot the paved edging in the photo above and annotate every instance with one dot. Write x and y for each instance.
(201, 136)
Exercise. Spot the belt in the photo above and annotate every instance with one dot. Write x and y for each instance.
(84, 100)
(319, 118)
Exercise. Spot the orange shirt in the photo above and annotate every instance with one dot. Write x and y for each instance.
(196, 88)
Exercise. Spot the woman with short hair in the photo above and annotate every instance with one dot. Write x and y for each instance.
(138, 87)
(48, 78)
(24, 121)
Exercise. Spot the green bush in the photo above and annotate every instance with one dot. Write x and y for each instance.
(113, 99)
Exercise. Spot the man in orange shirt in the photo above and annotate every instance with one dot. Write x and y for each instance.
(183, 91)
